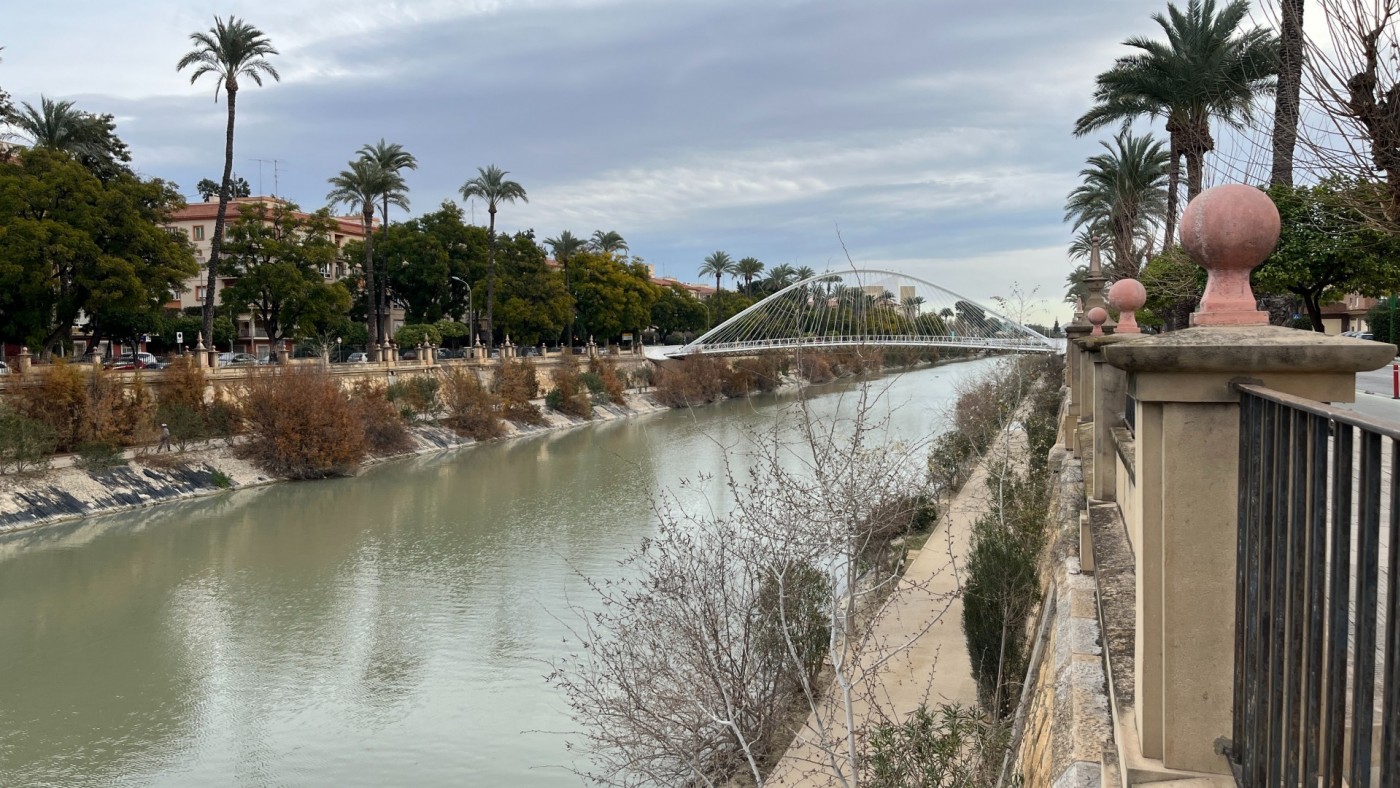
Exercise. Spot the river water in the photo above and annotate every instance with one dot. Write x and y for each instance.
(390, 629)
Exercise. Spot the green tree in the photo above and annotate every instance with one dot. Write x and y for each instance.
(749, 268)
(230, 50)
(207, 188)
(1207, 68)
(278, 258)
(717, 265)
(73, 245)
(531, 301)
(609, 242)
(1122, 193)
(1326, 248)
(677, 310)
(492, 187)
(361, 187)
(426, 261)
(612, 297)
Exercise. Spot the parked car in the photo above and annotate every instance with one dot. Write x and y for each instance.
(410, 354)
(137, 361)
(357, 358)
(4, 368)
(237, 360)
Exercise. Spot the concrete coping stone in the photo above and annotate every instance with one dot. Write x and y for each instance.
(1099, 342)
(1246, 349)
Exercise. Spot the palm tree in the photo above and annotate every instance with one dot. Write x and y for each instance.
(1207, 68)
(608, 242)
(361, 188)
(780, 276)
(391, 157)
(57, 125)
(748, 267)
(1123, 193)
(717, 265)
(230, 50)
(805, 272)
(491, 185)
(564, 247)
(393, 160)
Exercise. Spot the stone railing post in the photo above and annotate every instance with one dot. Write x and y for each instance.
(25, 360)
(1187, 450)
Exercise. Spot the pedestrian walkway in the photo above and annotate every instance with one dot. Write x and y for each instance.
(917, 653)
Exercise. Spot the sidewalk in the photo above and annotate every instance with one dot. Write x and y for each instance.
(925, 612)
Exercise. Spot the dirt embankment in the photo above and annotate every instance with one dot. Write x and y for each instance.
(67, 492)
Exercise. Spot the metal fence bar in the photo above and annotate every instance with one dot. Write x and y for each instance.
(1317, 578)
(1338, 624)
(1313, 651)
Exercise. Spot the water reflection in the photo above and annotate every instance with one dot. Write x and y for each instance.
(387, 629)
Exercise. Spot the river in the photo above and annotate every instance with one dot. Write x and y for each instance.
(390, 629)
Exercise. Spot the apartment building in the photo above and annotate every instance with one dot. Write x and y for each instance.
(196, 222)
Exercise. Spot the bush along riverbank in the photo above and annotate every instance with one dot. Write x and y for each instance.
(278, 425)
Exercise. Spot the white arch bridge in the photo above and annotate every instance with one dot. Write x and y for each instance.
(866, 307)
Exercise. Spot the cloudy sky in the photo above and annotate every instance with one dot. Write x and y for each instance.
(932, 135)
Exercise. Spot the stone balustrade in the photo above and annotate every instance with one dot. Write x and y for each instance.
(1156, 423)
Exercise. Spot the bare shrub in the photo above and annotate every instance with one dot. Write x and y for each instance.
(814, 368)
(569, 395)
(517, 383)
(184, 383)
(748, 375)
(301, 425)
(695, 380)
(385, 431)
(606, 370)
(60, 401)
(471, 410)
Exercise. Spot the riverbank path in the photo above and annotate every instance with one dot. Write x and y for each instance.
(918, 655)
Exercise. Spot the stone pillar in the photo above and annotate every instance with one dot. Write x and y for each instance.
(25, 360)
(1074, 403)
(1187, 474)
(592, 347)
(1109, 392)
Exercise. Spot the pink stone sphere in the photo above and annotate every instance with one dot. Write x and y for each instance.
(1127, 295)
(1098, 316)
(1230, 227)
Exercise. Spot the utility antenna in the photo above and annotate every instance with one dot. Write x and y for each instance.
(276, 169)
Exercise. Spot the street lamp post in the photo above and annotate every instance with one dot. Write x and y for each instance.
(338, 357)
(471, 309)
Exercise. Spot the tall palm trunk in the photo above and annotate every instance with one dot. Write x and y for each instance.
(491, 284)
(384, 286)
(1290, 78)
(1196, 145)
(371, 305)
(1173, 188)
(216, 245)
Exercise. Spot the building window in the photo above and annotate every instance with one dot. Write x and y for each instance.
(199, 292)
(325, 270)
(199, 232)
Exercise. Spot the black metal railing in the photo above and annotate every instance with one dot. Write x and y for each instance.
(1316, 641)
(1130, 413)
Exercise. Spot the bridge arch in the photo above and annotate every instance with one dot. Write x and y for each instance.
(866, 306)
